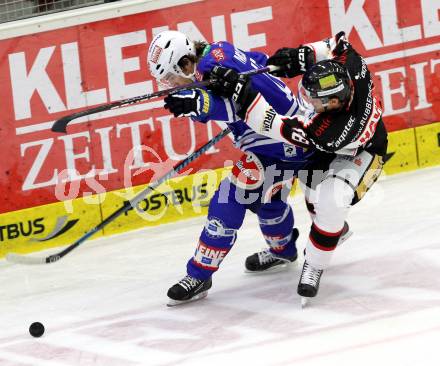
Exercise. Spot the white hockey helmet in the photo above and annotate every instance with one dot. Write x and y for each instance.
(166, 50)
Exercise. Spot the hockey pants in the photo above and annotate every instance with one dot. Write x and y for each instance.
(329, 195)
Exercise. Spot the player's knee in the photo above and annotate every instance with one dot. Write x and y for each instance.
(332, 204)
(272, 209)
(334, 193)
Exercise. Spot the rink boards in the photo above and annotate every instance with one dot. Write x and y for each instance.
(61, 223)
(414, 148)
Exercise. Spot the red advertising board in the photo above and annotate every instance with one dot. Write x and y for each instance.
(50, 74)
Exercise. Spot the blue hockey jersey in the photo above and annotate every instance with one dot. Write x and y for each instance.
(277, 94)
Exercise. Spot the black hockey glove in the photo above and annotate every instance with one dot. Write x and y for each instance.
(230, 84)
(190, 103)
(223, 81)
(291, 61)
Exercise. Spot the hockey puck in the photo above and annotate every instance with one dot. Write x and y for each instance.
(36, 329)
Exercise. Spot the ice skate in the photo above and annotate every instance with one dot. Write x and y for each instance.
(308, 285)
(346, 233)
(188, 289)
(265, 261)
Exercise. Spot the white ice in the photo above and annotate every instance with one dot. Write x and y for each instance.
(104, 304)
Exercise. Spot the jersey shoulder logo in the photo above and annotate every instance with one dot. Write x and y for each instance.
(248, 172)
(218, 54)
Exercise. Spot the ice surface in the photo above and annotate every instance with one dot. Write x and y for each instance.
(104, 304)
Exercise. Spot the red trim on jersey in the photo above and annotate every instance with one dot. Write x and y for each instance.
(320, 247)
(326, 233)
(309, 121)
(209, 247)
(252, 106)
(371, 125)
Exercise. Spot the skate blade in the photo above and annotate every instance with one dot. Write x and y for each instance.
(304, 301)
(200, 296)
(345, 237)
(276, 269)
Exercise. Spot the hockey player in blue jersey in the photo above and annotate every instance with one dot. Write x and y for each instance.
(260, 181)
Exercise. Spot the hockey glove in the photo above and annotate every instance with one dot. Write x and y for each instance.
(194, 103)
(291, 61)
(222, 81)
(229, 84)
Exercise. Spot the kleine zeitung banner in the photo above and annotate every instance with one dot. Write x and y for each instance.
(47, 75)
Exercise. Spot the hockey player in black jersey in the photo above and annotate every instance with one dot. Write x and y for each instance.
(340, 115)
(340, 112)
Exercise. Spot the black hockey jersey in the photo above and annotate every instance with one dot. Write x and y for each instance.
(359, 126)
(347, 132)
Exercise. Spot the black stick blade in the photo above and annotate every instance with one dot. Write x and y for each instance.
(60, 125)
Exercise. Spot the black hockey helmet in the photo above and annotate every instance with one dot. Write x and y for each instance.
(324, 80)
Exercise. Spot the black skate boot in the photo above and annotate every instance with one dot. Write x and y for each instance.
(308, 285)
(266, 261)
(188, 289)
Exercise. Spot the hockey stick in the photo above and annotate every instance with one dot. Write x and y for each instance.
(60, 125)
(23, 259)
